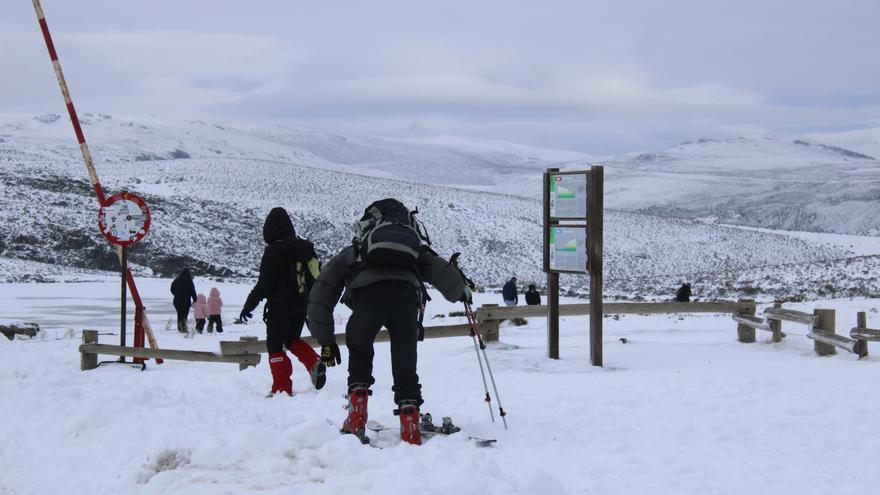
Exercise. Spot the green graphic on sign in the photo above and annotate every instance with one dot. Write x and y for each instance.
(568, 196)
(568, 249)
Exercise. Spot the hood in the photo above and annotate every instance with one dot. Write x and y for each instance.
(201, 299)
(277, 226)
(215, 292)
(185, 274)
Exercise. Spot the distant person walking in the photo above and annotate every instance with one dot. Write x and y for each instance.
(200, 312)
(684, 293)
(533, 298)
(509, 292)
(184, 292)
(215, 306)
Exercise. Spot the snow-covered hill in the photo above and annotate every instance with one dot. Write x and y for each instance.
(448, 161)
(210, 188)
(793, 184)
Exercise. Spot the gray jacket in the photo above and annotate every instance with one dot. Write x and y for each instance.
(336, 277)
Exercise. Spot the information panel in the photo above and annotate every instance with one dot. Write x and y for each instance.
(568, 196)
(568, 249)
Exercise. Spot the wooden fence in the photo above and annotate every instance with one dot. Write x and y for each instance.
(490, 316)
(90, 349)
(820, 328)
(246, 351)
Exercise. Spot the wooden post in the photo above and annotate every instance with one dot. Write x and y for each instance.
(124, 296)
(246, 338)
(88, 361)
(490, 329)
(745, 333)
(776, 325)
(862, 322)
(825, 322)
(553, 315)
(596, 206)
(552, 277)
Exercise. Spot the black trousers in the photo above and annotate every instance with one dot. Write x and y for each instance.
(393, 304)
(282, 329)
(182, 311)
(215, 320)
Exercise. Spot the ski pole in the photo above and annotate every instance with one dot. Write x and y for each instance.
(454, 262)
(488, 398)
(472, 321)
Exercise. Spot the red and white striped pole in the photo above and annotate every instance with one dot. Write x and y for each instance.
(90, 165)
(77, 128)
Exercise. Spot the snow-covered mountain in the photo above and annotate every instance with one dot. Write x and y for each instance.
(445, 160)
(210, 188)
(791, 184)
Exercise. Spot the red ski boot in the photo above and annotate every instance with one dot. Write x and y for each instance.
(409, 422)
(310, 359)
(356, 421)
(281, 368)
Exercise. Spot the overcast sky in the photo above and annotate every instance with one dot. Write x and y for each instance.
(595, 76)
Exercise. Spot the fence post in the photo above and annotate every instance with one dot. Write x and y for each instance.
(862, 322)
(88, 361)
(776, 325)
(246, 338)
(490, 329)
(553, 315)
(745, 333)
(825, 322)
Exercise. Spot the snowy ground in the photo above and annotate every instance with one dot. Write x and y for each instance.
(680, 408)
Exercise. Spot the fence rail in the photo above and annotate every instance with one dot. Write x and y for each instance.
(90, 349)
(865, 334)
(839, 341)
(491, 312)
(782, 314)
(250, 347)
(752, 321)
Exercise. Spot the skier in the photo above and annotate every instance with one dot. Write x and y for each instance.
(200, 312)
(287, 271)
(184, 292)
(382, 275)
(215, 305)
(509, 292)
(533, 298)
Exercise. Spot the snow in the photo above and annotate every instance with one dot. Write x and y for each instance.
(680, 408)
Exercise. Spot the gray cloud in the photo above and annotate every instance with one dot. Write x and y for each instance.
(594, 76)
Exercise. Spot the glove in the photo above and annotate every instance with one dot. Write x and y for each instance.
(466, 296)
(244, 315)
(330, 355)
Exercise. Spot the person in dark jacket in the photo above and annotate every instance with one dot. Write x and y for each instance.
(684, 293)
(184, 292)
(533, 298)
(287, 271)
(379, 296)
(509, 293)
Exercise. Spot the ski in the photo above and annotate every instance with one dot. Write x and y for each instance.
(429, 430)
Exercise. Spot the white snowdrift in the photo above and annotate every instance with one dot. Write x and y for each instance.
(681, 408)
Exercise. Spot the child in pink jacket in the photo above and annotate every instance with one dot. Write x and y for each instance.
(215, 304)
(200, 312)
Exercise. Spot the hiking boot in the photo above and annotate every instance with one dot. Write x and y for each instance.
(409, 422)
(356, 421)
(318, 374)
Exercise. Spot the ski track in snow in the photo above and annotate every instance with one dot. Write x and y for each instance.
(681, 408)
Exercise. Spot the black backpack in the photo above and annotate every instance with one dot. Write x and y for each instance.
(389, 235)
